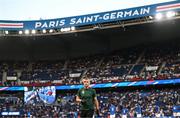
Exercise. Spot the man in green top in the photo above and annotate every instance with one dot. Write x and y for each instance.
(86, 96)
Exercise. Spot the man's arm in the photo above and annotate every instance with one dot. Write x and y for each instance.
(97, 106)
(96, 103)
(78, 99)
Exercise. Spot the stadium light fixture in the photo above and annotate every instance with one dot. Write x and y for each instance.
(62, 29)
(26, 32)
(65, 29)
(150, 17)
(44, 31)
(159, 16)
(73, 28)
(68, 29)
(51, 30)
(6, 32)
(33, 31)
(20, 32)
(170, 14)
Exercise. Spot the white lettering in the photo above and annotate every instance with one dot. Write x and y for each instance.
(120, 14)
(106, 16)
(72, 21)
(89, 19)
(38, 24)
(96, 17)
(135, 13)
(146, 11)
(79, 21)
(84, 19)
(57, 23)
(93, 18)
(127, 13)
(51, 23)
(62, 22)
(113, 15)
(44, 25)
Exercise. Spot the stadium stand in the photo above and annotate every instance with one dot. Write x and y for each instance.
(132, 64)
(123, 52)
(151, 102)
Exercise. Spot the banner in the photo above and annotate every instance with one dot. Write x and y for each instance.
(74, 75)
(83, 20)
(151, 68)
(11, 78)
(122, 84)
(12, 113)
(15, 88)
(103, 85)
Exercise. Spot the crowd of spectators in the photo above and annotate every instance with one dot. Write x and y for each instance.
(148, 103)
(132, 64)
(151, 102)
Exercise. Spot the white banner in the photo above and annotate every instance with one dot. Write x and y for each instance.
(151, 68)
(11, 78)
(75, 75)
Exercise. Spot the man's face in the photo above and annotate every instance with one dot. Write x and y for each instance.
(86, 82)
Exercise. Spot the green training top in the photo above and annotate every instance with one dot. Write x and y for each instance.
(87, 95)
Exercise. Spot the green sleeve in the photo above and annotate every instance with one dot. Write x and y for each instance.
(78, 93)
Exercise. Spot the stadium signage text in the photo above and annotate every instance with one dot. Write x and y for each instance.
(90, 19)
(10, 113)
(95, 18)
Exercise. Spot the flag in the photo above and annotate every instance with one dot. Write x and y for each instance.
(168, 7)
(11, 25)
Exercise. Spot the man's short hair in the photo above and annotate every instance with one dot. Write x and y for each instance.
(86, 78)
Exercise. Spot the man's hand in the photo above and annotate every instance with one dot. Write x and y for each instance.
(78, 99)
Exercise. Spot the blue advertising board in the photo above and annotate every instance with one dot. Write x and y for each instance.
(15, 88)
(122, 84)
(105, 85)
(83, 20)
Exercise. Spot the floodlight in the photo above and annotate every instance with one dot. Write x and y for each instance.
(170, 14)
(6, 32)
(72, 28)
(51, 30)
(26, 31)
(20, 32)
(33, 31)
(44, 31)
(159, 16)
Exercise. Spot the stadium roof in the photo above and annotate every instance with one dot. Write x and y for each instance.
(87, 42)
